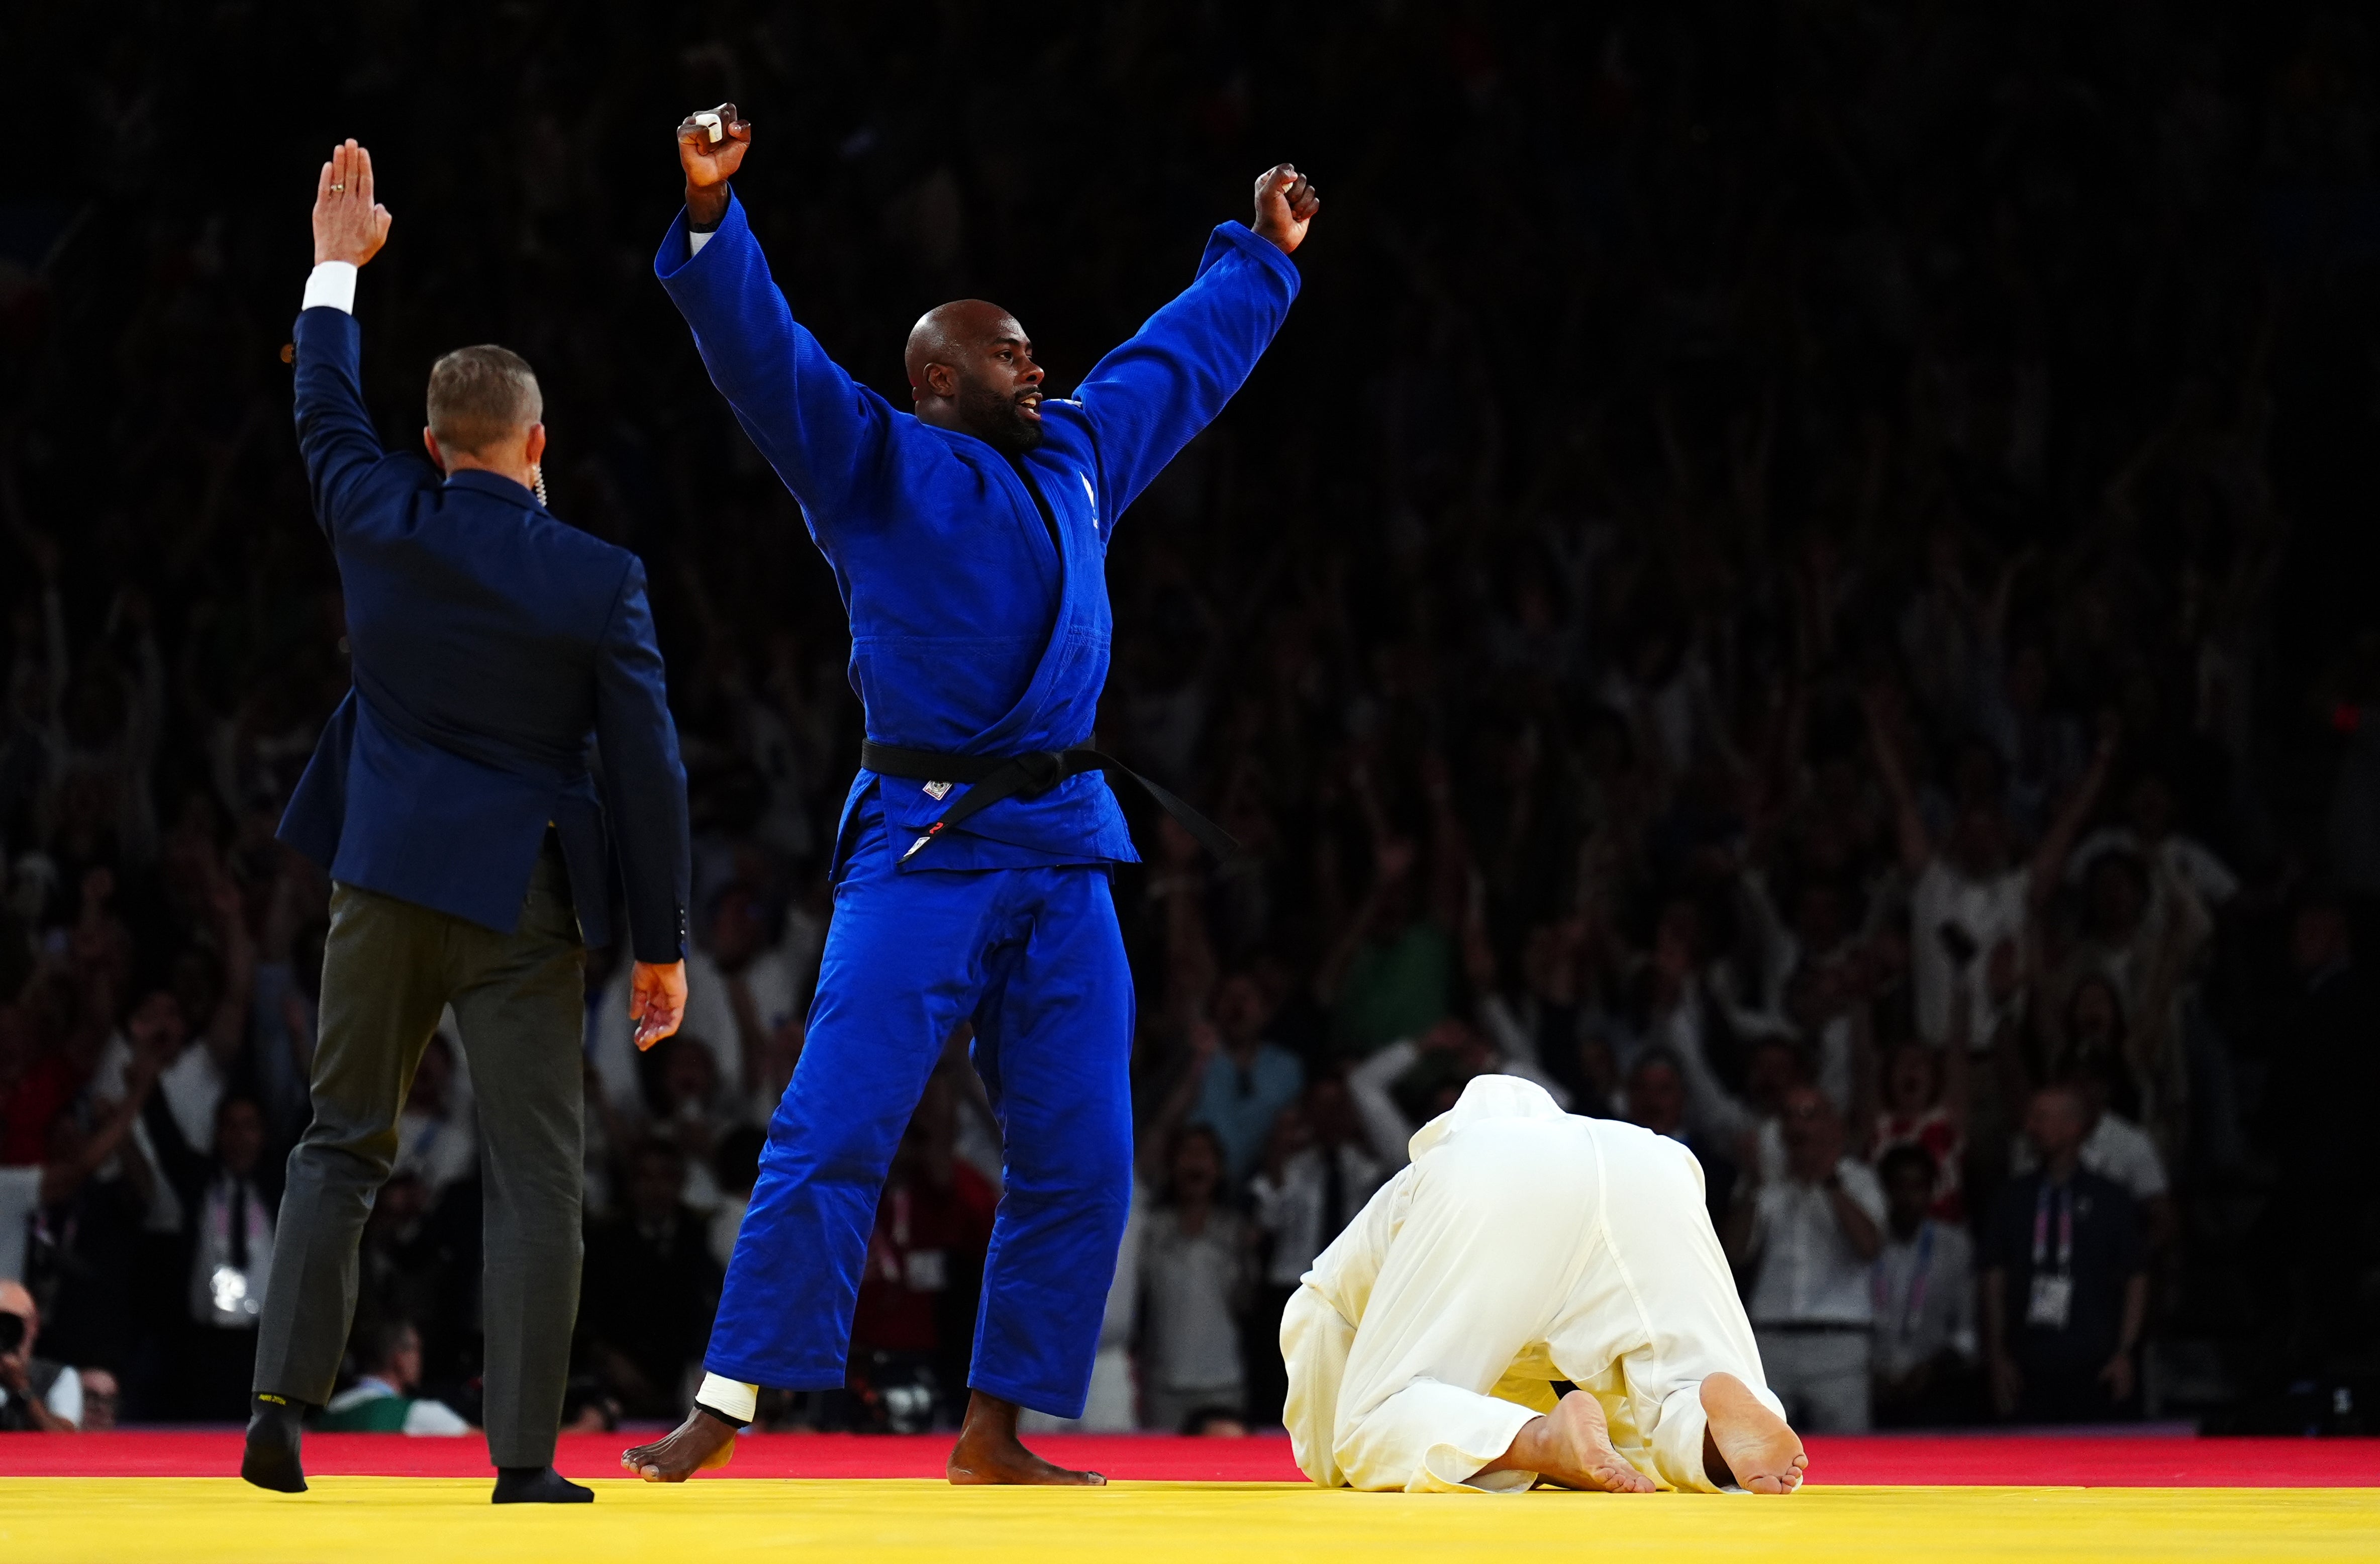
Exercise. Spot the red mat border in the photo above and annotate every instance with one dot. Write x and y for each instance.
(1885, 1461)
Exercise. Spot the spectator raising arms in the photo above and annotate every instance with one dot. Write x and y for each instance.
(1966, 901)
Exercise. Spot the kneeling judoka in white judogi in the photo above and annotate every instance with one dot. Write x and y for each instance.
(1525, 1245)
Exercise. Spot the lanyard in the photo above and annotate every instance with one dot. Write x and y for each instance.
(2065, 1227)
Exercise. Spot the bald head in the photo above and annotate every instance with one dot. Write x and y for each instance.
(971, 368)
(948, 331)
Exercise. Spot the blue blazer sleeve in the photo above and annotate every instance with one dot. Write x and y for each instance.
(644, 782)
(345, 462)
(1148, 398)
(823, 432)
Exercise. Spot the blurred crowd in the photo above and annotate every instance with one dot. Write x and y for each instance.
(1784, 581)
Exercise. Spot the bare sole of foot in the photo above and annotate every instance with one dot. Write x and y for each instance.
(1760, 1450)
(1571, 1446)
(699, 1443)
(987, 1458)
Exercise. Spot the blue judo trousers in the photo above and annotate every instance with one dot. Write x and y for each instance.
(977, 628)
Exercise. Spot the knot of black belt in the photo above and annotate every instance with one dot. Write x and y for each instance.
(992, 777)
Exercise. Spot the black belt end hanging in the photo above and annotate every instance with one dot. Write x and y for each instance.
(991, 779)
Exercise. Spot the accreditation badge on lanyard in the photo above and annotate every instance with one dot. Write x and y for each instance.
(2052, 1303)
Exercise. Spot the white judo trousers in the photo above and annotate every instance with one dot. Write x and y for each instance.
(1523, 1246)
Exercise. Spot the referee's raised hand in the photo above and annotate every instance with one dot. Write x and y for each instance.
(350, 225)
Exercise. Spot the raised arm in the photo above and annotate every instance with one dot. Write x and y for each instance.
(1909, 825)
(342, 451)
(2049, 858)
(1370, 1087)
(1148, 398)
(61, 1179)
(822, 431)
(644, 784)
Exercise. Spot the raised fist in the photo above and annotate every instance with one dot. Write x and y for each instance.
(1286, 202)
(711, 145)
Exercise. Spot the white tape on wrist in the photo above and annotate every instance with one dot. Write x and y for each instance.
(731, 1397)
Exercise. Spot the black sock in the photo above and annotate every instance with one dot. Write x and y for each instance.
(267, 1407)
(537, 1484)
(275, 1431)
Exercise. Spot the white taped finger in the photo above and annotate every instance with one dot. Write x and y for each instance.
(710, 121)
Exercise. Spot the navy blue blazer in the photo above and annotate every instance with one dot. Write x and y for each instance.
(502, 662)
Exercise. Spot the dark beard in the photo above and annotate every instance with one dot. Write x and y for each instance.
(995, 419)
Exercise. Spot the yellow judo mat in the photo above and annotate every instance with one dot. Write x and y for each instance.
(443, 1520)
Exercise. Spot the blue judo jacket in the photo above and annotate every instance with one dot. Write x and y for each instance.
(939, 551)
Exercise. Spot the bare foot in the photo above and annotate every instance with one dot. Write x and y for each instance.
(1748, 1446)
(1572, 1446)
(699, 1443)
(988, 1452)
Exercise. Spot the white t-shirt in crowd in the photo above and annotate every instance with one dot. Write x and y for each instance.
(1292, 1210)
(191, 1085)
(1187, 1291)
(1807, 1272)
(1923, 1292)
(1990, 910)
(192, 1088)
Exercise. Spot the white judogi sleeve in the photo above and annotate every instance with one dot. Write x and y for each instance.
(1318, 1327)
(1314, 1343)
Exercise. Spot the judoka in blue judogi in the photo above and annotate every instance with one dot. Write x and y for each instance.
(968, 541)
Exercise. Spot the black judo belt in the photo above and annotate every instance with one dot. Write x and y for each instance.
(992, 777)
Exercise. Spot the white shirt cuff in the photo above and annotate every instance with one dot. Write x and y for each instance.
(694, 241)
(332, 287)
